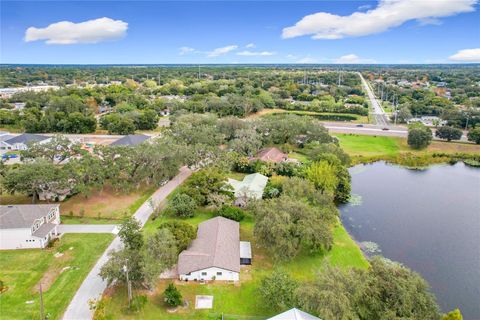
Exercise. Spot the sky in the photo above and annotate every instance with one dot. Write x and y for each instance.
(161, 32)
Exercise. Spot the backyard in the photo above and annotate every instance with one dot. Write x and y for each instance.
(61, 269)
(345, 253)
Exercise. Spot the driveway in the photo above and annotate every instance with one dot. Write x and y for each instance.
(87, 228)
(93, 286)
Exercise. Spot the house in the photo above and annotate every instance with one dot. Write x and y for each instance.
(130, 140)
(271, 155)
(215, 254)
(294, 314)
(28, 226)
(251, 187)
(21, 142)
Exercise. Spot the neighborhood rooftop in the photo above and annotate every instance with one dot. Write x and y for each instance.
(271, 155)
(251, 186)
(22, 216)
(130, 140)
(217, 245)
(26, 138)
(294, 314)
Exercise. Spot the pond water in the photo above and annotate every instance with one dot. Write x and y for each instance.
(429, 220)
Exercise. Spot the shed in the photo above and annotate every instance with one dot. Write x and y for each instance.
(245, 253)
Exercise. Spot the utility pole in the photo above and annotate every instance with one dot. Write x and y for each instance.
(42, 317)
(129, 285)
(466, 124)
(199, 72)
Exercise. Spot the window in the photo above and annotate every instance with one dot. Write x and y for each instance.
(219, 273)
(204, 273)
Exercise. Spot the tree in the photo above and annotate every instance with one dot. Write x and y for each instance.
(474, 135)
(131, 234)
(173, 297)
(453, 315)
(182, 231)
(448, 133)
(39, 178)
(246, 142)
(114, 270)
(277, 290)
(286, 224)
(203, 184)
(57, 149)
(419, 136)
(404, 114)
(323, 175)
(182, 205)
(160, 253)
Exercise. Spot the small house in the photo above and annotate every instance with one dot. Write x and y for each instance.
(251, 187)
(130, 140)
(21, 142)
(294, 314)
(216, 253)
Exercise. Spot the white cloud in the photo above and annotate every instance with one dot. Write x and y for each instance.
(221, 51)
(256, 53)
(186, 50)
(91, 31)
(388, 14)
(250, 45)
(466, 55)
(352, 58)
(364, 7)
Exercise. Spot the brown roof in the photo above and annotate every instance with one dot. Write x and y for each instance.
(217, 245)
(271, 155)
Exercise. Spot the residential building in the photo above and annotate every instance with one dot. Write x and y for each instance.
(251, 187)
(271, 155)
(294, 314)
(130, 140)
(28, 226)
(214, 254)
(21, 142)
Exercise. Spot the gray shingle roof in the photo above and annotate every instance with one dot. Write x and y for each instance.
(23, 216)
(130, 140)
(44, 230)
(26, 138)
(217, 245)
(251, 186)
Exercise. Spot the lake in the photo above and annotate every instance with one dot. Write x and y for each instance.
(429, 220)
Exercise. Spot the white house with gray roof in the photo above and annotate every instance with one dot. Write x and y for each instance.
(294, 314)
(21, 142)
(28, 226)
(215, 254)
(251, 187)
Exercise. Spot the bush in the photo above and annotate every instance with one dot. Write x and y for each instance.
(448, 133)
(183, 232)
(182, 205)
(419, 136)
(172, 296)
(474, 135)
(138, 303)
(233, 213)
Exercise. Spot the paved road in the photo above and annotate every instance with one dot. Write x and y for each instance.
(87, 228)
(381, 118)
(93, 286)
(366, 129)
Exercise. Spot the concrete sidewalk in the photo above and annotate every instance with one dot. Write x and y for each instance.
(93, 286)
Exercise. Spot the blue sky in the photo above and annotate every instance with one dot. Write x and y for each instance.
(242, 32)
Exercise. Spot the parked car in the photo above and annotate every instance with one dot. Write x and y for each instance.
(385, 129)
(360, 125)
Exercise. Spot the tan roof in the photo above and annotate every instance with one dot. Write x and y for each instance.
(217, 245)
(271, 155)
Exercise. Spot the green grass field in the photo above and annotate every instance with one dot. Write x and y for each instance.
(241, 301)
(23, 270)
(360, 145)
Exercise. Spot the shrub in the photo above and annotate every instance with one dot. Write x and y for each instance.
(182, 205)
(474, 135)
(419, 136)
(183, 232)
(448, 133)
(138, 303)
(172, 296)
(233, 213)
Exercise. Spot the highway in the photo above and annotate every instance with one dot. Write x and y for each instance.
(365, 129)
(381, 118)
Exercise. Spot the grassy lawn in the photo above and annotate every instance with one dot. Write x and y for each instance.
(23, 270)
(237, 301)
(369, 146)
(99, 207)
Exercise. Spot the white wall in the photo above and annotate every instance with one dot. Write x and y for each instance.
(226, 275)
(17, 239)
